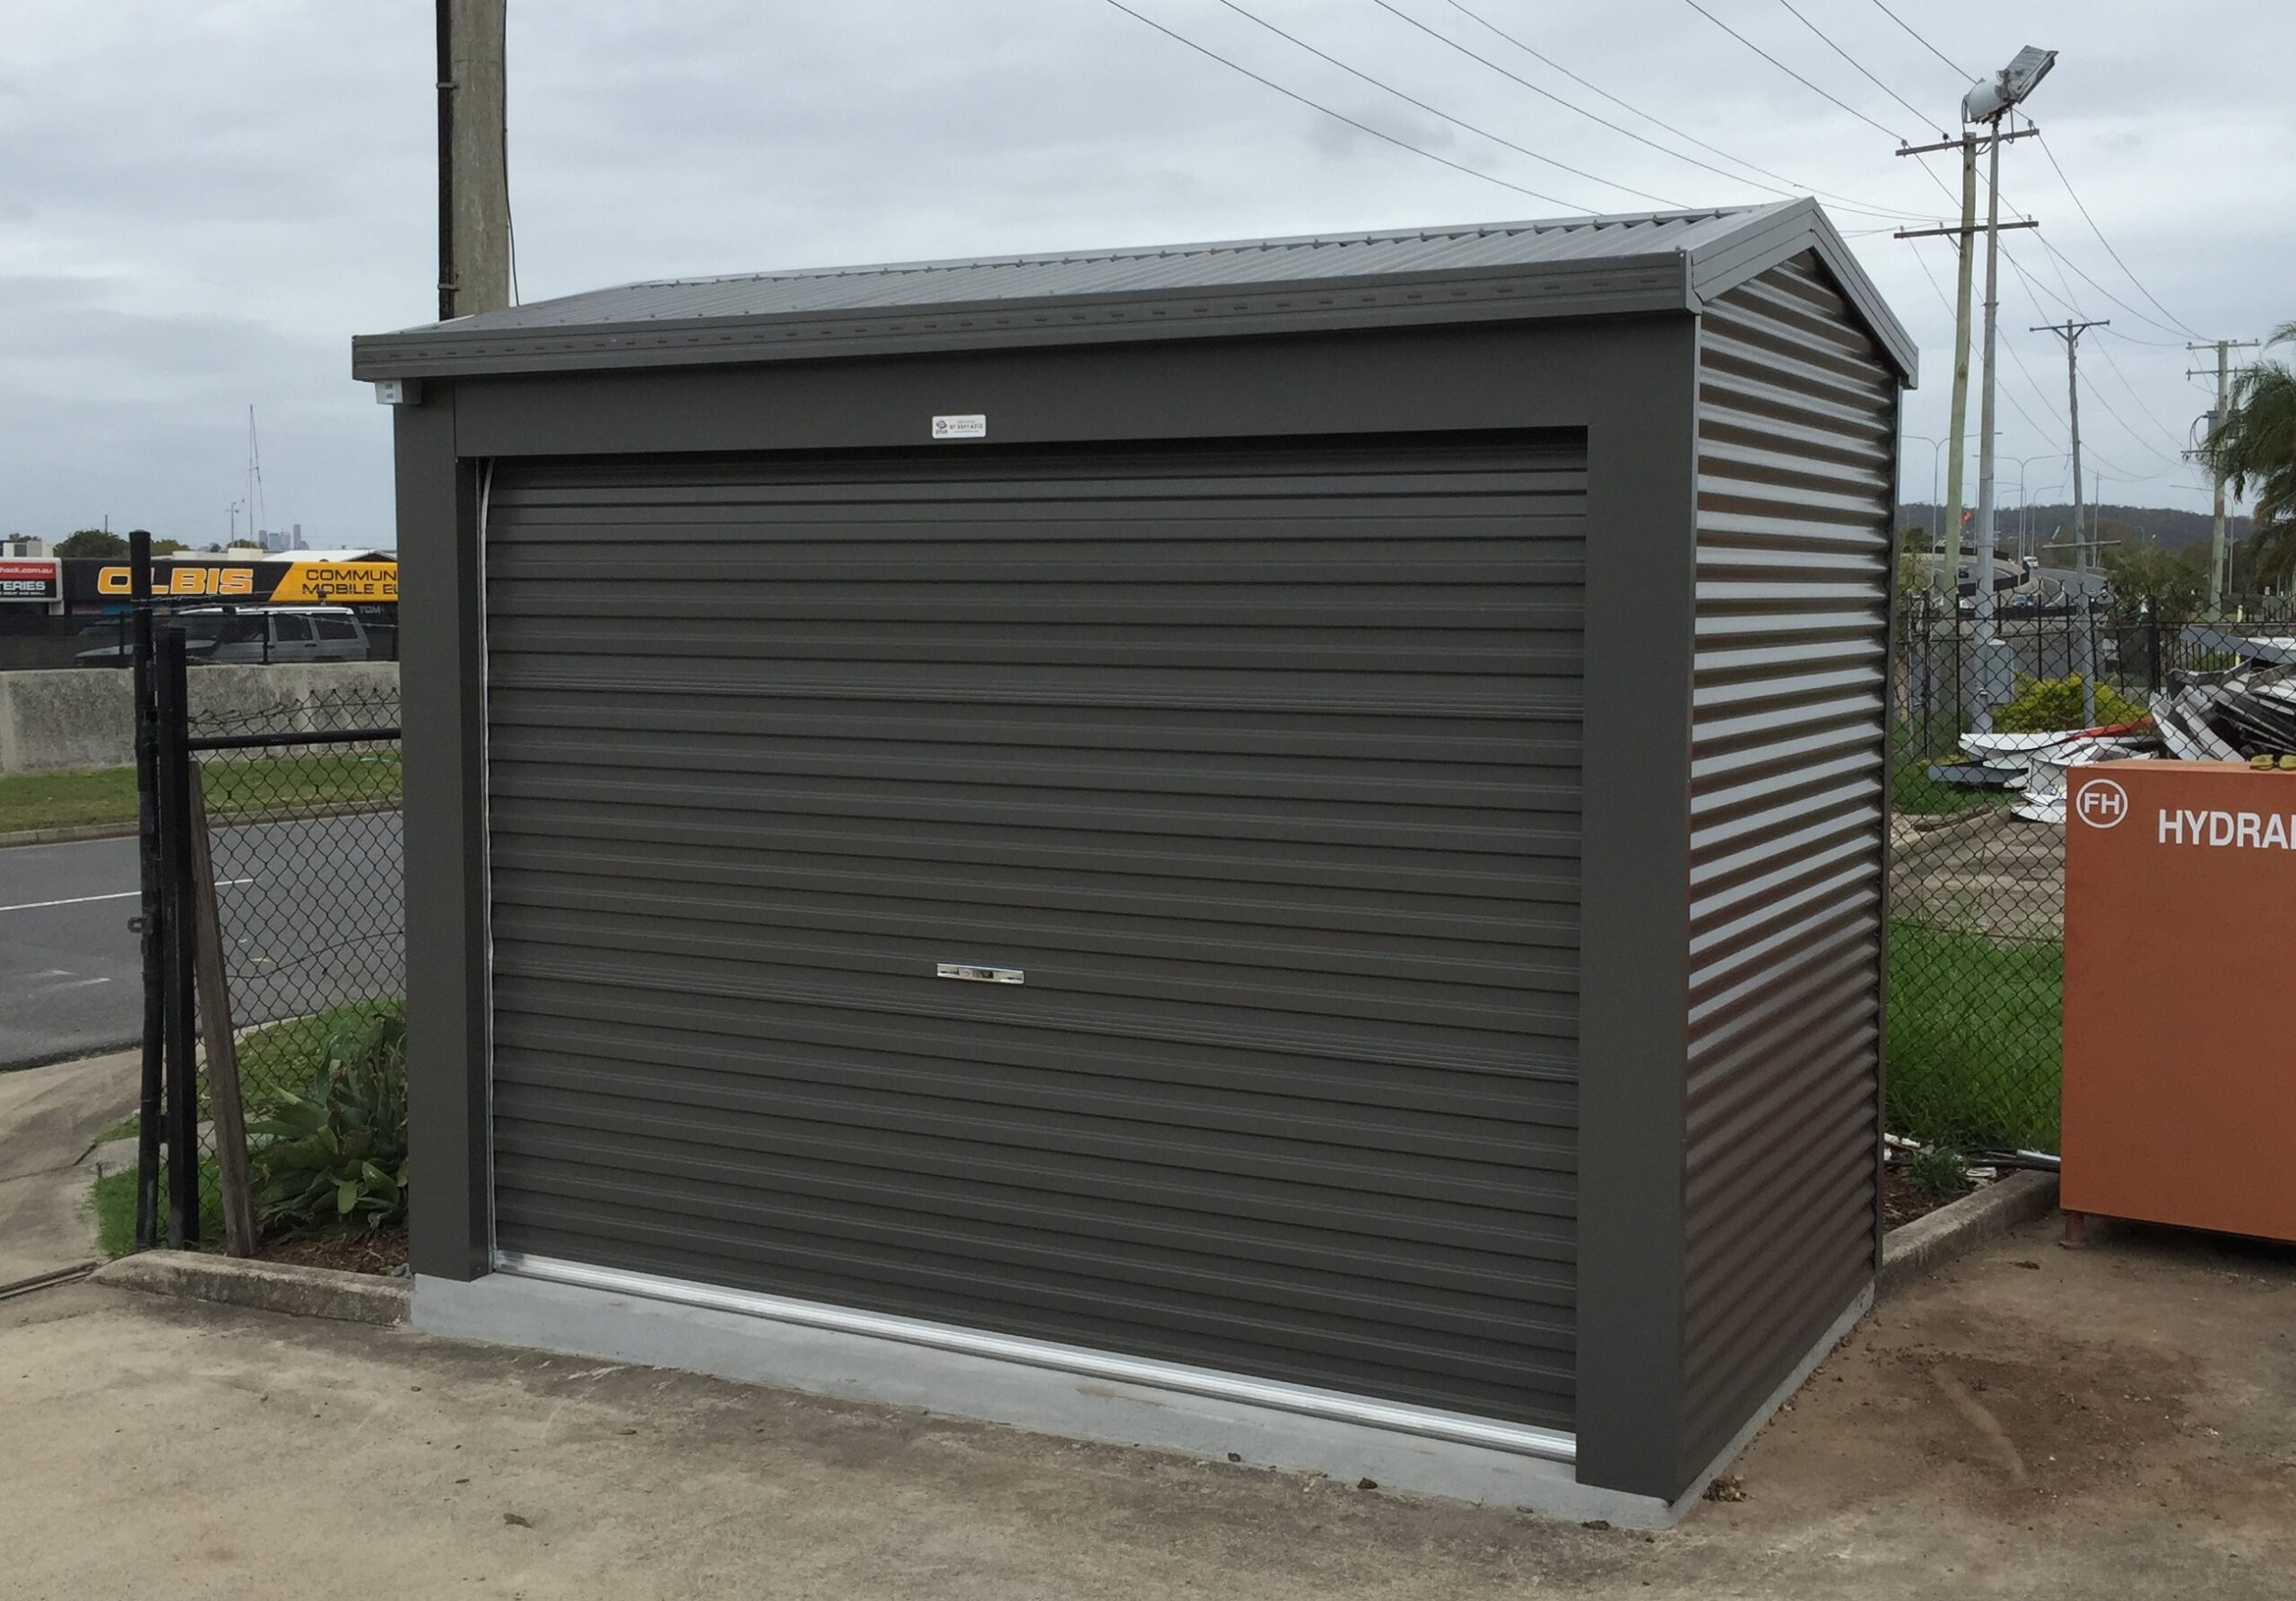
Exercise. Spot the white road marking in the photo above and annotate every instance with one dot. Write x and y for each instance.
(221, 884)
(78, 984)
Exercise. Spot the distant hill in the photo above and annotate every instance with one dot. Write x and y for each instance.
(2174, 529)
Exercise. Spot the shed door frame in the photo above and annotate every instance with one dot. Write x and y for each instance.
(1630, 383)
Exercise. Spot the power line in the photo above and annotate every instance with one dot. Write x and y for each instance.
(2151, 416)
(1546, 93)
(1433, 111)
(1918, 114)
(2083, 207)
(1966, 75)
(2134, 439)
(2034, 290)
(2175, 449)
(2109, 294)
(1937, 289)
(2071, 303)
(1341, 117)
(1793, 187)
(1788, 71)
(2056, 421)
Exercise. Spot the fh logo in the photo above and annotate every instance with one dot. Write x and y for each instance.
(2101, 803)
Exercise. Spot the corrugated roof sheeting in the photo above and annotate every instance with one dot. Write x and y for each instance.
(1665, 262)
(1122, 272)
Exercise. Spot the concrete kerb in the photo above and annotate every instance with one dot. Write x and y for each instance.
(1914, 1249)
(76, 832)
(266, 1286)
(70, 834)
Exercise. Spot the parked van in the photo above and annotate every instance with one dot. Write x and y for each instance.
(255, 635)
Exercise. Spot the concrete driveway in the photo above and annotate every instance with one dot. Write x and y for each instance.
(2115, 1422)
(50, 1118)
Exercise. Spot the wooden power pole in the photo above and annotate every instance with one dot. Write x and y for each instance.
(1965, 237)
(473, 176)
(2219, 570)
(2084, 554)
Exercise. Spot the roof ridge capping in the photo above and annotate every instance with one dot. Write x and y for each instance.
(1195, 248)
(1637, 263)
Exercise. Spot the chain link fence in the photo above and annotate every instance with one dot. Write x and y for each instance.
(289, 855)
(1977, 868)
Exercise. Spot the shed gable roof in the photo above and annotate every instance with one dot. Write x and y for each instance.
(1560, 267)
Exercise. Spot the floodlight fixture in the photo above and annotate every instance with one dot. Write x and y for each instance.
(1987, 100)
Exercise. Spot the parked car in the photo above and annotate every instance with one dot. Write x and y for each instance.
(255, 635)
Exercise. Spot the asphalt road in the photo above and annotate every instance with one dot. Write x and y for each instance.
(312, 914)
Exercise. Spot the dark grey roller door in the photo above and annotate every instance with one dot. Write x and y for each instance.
(1262, 763)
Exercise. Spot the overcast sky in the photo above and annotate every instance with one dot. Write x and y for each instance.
(201, 203)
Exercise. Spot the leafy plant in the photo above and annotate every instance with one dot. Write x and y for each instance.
(1936, 1170)
(2046, 705)
(2146, 581)
(334, 1153)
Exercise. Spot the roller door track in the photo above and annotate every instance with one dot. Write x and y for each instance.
(1258, 765)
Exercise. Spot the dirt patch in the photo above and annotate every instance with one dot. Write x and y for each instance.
(379, 1251)
(2046, 1421)
(1999, 1392)
(1901, 1203)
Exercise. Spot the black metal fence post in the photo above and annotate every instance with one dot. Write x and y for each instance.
(174, 764)
(149, 922)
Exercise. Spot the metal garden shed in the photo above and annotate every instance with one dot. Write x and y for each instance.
(1271, 846)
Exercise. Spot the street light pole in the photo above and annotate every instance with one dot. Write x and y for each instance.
(1988, 102)
(1993, 678)
(2025, 500)
(1936, 510)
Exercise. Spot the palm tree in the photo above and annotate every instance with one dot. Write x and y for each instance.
(2270, 556)
(2254, 443)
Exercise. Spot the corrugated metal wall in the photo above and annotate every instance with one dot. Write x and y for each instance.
(1262, 764)
(1797, 410)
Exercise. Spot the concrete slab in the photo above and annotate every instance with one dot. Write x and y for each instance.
(50, 1118)
(2028, 1422)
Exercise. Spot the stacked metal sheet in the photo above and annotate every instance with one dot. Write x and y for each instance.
(2243, 713)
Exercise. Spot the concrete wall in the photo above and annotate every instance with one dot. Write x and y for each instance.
(83, 716)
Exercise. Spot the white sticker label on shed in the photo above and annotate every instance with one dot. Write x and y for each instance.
(973, 425)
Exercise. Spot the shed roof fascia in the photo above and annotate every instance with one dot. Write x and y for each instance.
(1784, 233)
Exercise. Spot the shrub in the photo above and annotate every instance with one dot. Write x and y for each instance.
(2049, 705)
(1935, 1171)
(335, 1152)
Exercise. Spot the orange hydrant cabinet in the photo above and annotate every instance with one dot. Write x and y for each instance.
(2180, 995)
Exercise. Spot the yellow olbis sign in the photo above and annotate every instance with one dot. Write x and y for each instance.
(276, 583)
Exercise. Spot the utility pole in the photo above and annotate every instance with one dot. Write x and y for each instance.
(2070, 332)
(473, 179)
(1995, 680)
(1987, 101)
(2217, 570)
(1958, 428)
(1966, 235)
